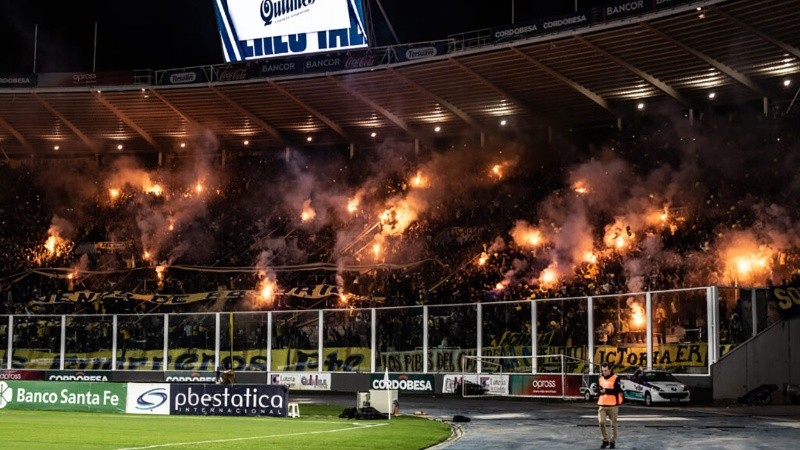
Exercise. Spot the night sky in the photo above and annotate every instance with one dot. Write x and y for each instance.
(160, 34)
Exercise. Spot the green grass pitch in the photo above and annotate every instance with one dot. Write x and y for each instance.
(319, 426)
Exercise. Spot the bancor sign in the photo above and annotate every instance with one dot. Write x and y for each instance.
(43, 395)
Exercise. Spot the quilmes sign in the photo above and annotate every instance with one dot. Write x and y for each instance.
(47, 395)
(252, 29)
(230, 400)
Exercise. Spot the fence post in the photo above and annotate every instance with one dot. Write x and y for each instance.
(590, 331)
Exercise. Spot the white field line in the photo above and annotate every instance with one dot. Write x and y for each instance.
(252, 438)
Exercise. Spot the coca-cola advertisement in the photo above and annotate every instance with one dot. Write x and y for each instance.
(235, 72)
(360, 61)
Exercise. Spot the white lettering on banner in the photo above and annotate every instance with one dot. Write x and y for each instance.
(190, 379)
(77, 378)
(543, 384)
(250, 399)
(563, 22)
(329, 62)
(84, 78)
(424, 52)
(10, 376)
(403, 385)
(233, 75)
(185, 77)
(516, 31)
(67, 397)
(285, 67)
(623, 8)
(15, 80)
(257, 19)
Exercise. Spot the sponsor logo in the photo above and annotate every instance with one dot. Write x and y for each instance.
(10, 376)
(274, 9)
(279, 67)
(359, 62)
(84, 78)
(233, 75)
(543, 384)
(422, 52)
(194, 377)
(326, 62)
(15, 80)
(218, 400)
(65, 397)
(624, 8)
(183, 77)
(152, 399)
(6, 394)
(564, 22)
(516, 31)
(403, 385)
(78, 376)
(313, 380)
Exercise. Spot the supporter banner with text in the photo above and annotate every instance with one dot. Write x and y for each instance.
(167, 299)
(788, 299)
(58, 396)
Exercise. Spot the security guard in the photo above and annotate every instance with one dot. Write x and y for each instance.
(609, 400)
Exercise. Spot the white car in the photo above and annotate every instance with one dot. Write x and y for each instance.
(654, 386)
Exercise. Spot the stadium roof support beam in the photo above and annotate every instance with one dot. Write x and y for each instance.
(600, 101)
(385, 112)
(257, 120)
(17, 135)
(664, 87)
(722, 67)
(774, 41)
(174, 108)
(500, 91)
(453, 108)
(81, 135)
(325, 119)
(127, 120)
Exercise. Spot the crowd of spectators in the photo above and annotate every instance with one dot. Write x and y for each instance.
(443, 271)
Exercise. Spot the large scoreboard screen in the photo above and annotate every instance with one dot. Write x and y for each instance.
(254, 29)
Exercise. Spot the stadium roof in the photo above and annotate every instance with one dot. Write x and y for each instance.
(738, 50)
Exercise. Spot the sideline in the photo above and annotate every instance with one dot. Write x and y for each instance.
(252, 438)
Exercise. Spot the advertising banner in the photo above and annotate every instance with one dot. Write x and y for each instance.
(282, 67)
(252, 29)
(236, 72)
(72, 79)
(148, 398)
(542, 26)
(178, 376)
(487, 384)
(184, 76)
(410, 383)
(228, 400)
(18, 80)
(626, 8)
(545, 385)
(421, 51)
(300, 381)
(19, 375)
(45, 395)
(77, 375)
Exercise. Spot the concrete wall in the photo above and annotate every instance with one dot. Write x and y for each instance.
(769, 358)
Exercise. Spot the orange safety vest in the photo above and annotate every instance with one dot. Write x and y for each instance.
(608, 399)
